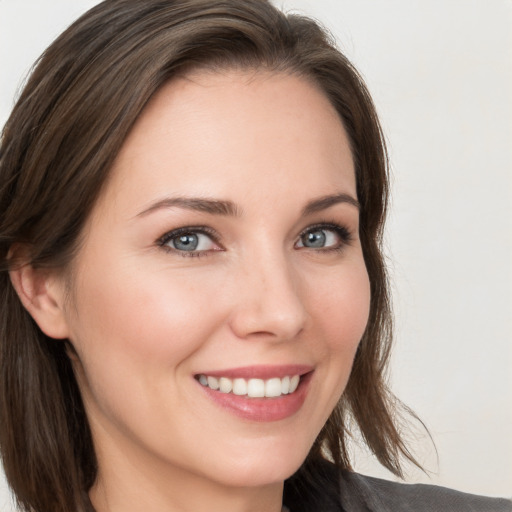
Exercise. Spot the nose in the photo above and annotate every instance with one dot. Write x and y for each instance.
(268, 301)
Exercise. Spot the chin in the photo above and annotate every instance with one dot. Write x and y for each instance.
(259, 475)
(264, 465)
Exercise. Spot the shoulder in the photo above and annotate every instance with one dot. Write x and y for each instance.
(329, 489)
(382, 496)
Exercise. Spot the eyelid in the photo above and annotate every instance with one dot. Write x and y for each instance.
(341, 231)
(173, 233)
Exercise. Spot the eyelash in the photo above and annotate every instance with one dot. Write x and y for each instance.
(188, 230)
(341, 231)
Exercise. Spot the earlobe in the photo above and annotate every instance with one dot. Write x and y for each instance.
(42, 295)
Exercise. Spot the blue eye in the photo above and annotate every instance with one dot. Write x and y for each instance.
(188, 240)
(315, 239)
(324, 237)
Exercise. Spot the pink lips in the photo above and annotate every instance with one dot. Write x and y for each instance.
(262, 409)
(261, 372)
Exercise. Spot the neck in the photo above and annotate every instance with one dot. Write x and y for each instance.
(132, 484)
(109, 496)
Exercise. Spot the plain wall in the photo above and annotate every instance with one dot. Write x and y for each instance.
(440, 72)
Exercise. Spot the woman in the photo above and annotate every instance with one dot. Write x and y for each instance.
(194, 304)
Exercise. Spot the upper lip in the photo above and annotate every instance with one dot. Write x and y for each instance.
(260, 371)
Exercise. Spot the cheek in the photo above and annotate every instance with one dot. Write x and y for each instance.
(142, 329)
(338, 305)
(135, 343)
(342, 314)
(341, 307)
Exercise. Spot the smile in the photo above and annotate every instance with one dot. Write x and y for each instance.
(252, 388)
(258, 393)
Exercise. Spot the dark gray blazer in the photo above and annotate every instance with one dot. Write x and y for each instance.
(362, 494)
(345, 491)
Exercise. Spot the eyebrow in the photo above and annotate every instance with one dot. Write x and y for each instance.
(322, 203)
(201, 204)
(228, 208)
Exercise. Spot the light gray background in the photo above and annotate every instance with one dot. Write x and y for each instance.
(440, 72)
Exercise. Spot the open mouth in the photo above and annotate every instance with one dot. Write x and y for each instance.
(252, 388)
(258, 393)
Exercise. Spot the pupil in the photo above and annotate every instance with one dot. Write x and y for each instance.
(186, 242)
(315, 239)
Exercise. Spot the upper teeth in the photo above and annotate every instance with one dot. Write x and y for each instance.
(254, 388)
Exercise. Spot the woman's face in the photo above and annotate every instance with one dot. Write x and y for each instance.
(224, 250)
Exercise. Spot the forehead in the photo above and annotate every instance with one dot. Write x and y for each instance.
(231, 133)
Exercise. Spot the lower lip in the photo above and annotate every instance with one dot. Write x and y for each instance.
(262, 409)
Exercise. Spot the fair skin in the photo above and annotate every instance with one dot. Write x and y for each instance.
(278, 287)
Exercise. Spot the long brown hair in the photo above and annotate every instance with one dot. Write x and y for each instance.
(57, 148)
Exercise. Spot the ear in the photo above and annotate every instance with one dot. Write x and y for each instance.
(42, 294)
